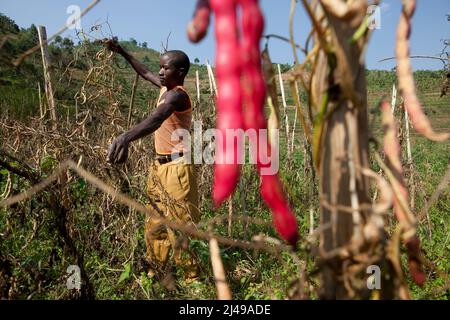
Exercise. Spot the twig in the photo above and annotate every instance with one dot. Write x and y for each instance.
(268, 36)
(436, 194)
(133, 95)
(418, 56)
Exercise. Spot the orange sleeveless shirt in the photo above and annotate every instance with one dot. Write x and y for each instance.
(167, 139)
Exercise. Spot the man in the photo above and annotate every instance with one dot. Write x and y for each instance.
(172, 181)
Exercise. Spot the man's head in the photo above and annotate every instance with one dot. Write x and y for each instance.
(174, 66)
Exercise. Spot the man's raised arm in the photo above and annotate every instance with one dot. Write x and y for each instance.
(139, 67)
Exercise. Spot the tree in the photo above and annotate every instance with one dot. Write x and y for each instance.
(196, 60)
(133, 42)
(58, 40)
(144, 45)
(67, 43)
(7, 25)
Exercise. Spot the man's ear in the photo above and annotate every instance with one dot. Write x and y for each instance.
(182, 72)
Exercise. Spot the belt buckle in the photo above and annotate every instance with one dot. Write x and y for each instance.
(162, 159)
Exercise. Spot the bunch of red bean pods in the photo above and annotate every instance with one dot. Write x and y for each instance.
(240, 102)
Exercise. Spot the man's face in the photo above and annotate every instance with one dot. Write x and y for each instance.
(169, 75)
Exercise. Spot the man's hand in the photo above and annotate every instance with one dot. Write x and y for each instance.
(118, 150)
(113, 45)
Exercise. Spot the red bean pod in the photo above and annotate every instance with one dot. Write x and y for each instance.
(198, 27)
(229, 112)
(405, 218)
(254, 94)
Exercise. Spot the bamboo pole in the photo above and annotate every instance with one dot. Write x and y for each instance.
(133, 95)
(394, 98)
(41, 109)
(223, 290)
(243, 206)
(410, 162)
(293, 130)
(209, 79)
(286, 117)
(42, 33)
(213, 85)
(76, 110)
(197, 81)
(230, 215)
(408, 141)
(311, 220)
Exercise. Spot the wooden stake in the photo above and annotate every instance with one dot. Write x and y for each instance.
(311, 220)
(133, 95)
(410, 161)
(242, 196)
(212, 79)
(76, 110)
(286, 117)
(230, 215)
(197, 80)
(41, 109)
(42, 33)
(293, 131)
(394, 98)
(209, 79)
(223, 290)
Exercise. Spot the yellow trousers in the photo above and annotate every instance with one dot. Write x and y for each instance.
(173, 188)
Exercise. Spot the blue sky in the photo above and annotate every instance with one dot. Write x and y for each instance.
(153, 20)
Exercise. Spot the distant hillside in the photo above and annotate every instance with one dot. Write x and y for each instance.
(72, 61)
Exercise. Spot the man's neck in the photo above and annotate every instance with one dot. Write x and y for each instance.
(174, 86)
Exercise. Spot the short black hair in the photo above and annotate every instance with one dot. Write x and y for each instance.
(180, 59)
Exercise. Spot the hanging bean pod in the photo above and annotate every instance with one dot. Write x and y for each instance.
(198, 27)
(254, 94)
(229, 113)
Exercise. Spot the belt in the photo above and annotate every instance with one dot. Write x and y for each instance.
(166, 158)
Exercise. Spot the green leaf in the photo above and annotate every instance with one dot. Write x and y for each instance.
(125, 274)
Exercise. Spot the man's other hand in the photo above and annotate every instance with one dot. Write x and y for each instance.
(118, 150)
